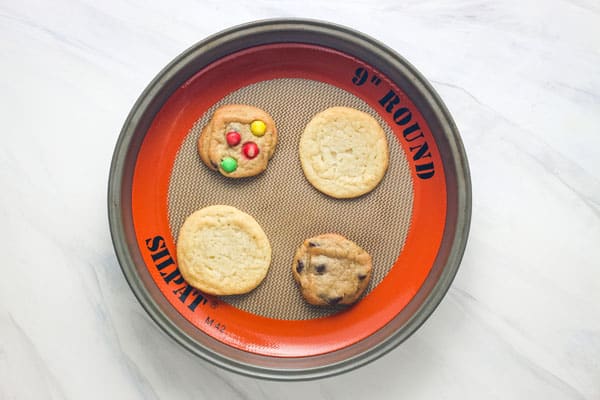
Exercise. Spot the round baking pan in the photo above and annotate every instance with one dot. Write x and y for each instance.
(414, 223)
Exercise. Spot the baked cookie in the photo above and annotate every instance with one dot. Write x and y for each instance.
(344, 152)
(238, 141)
(331, 270)
(222, 250)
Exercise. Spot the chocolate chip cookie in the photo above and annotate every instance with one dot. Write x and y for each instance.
(331, 270)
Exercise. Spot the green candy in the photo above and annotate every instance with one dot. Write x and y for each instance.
(229, 164)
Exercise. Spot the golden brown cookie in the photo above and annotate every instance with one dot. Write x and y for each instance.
(344, 152)
(238, 141)
(222, 250)
(331, 270)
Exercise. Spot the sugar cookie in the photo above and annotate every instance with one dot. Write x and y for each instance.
(222, 251)
(344, 152)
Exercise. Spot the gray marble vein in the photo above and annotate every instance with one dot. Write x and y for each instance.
(483, 314)
(521, 80)
(22, 363)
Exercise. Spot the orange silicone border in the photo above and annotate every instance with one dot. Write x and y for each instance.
(238, 328)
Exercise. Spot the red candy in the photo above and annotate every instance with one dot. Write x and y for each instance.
(233, 138)
(250, 149)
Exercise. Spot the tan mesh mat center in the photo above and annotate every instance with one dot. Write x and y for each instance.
(286, 205)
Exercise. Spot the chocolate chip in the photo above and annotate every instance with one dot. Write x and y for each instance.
(334, 300)
(312, 244)
(361, 276)
(300, 266)
(320, 269)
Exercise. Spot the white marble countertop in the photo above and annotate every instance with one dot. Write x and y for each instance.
(522, 319)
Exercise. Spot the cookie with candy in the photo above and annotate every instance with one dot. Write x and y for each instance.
(238, 141)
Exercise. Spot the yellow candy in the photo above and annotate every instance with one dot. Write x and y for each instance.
(258, 128)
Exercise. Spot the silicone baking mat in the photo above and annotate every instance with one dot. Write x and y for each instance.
(286, 205)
